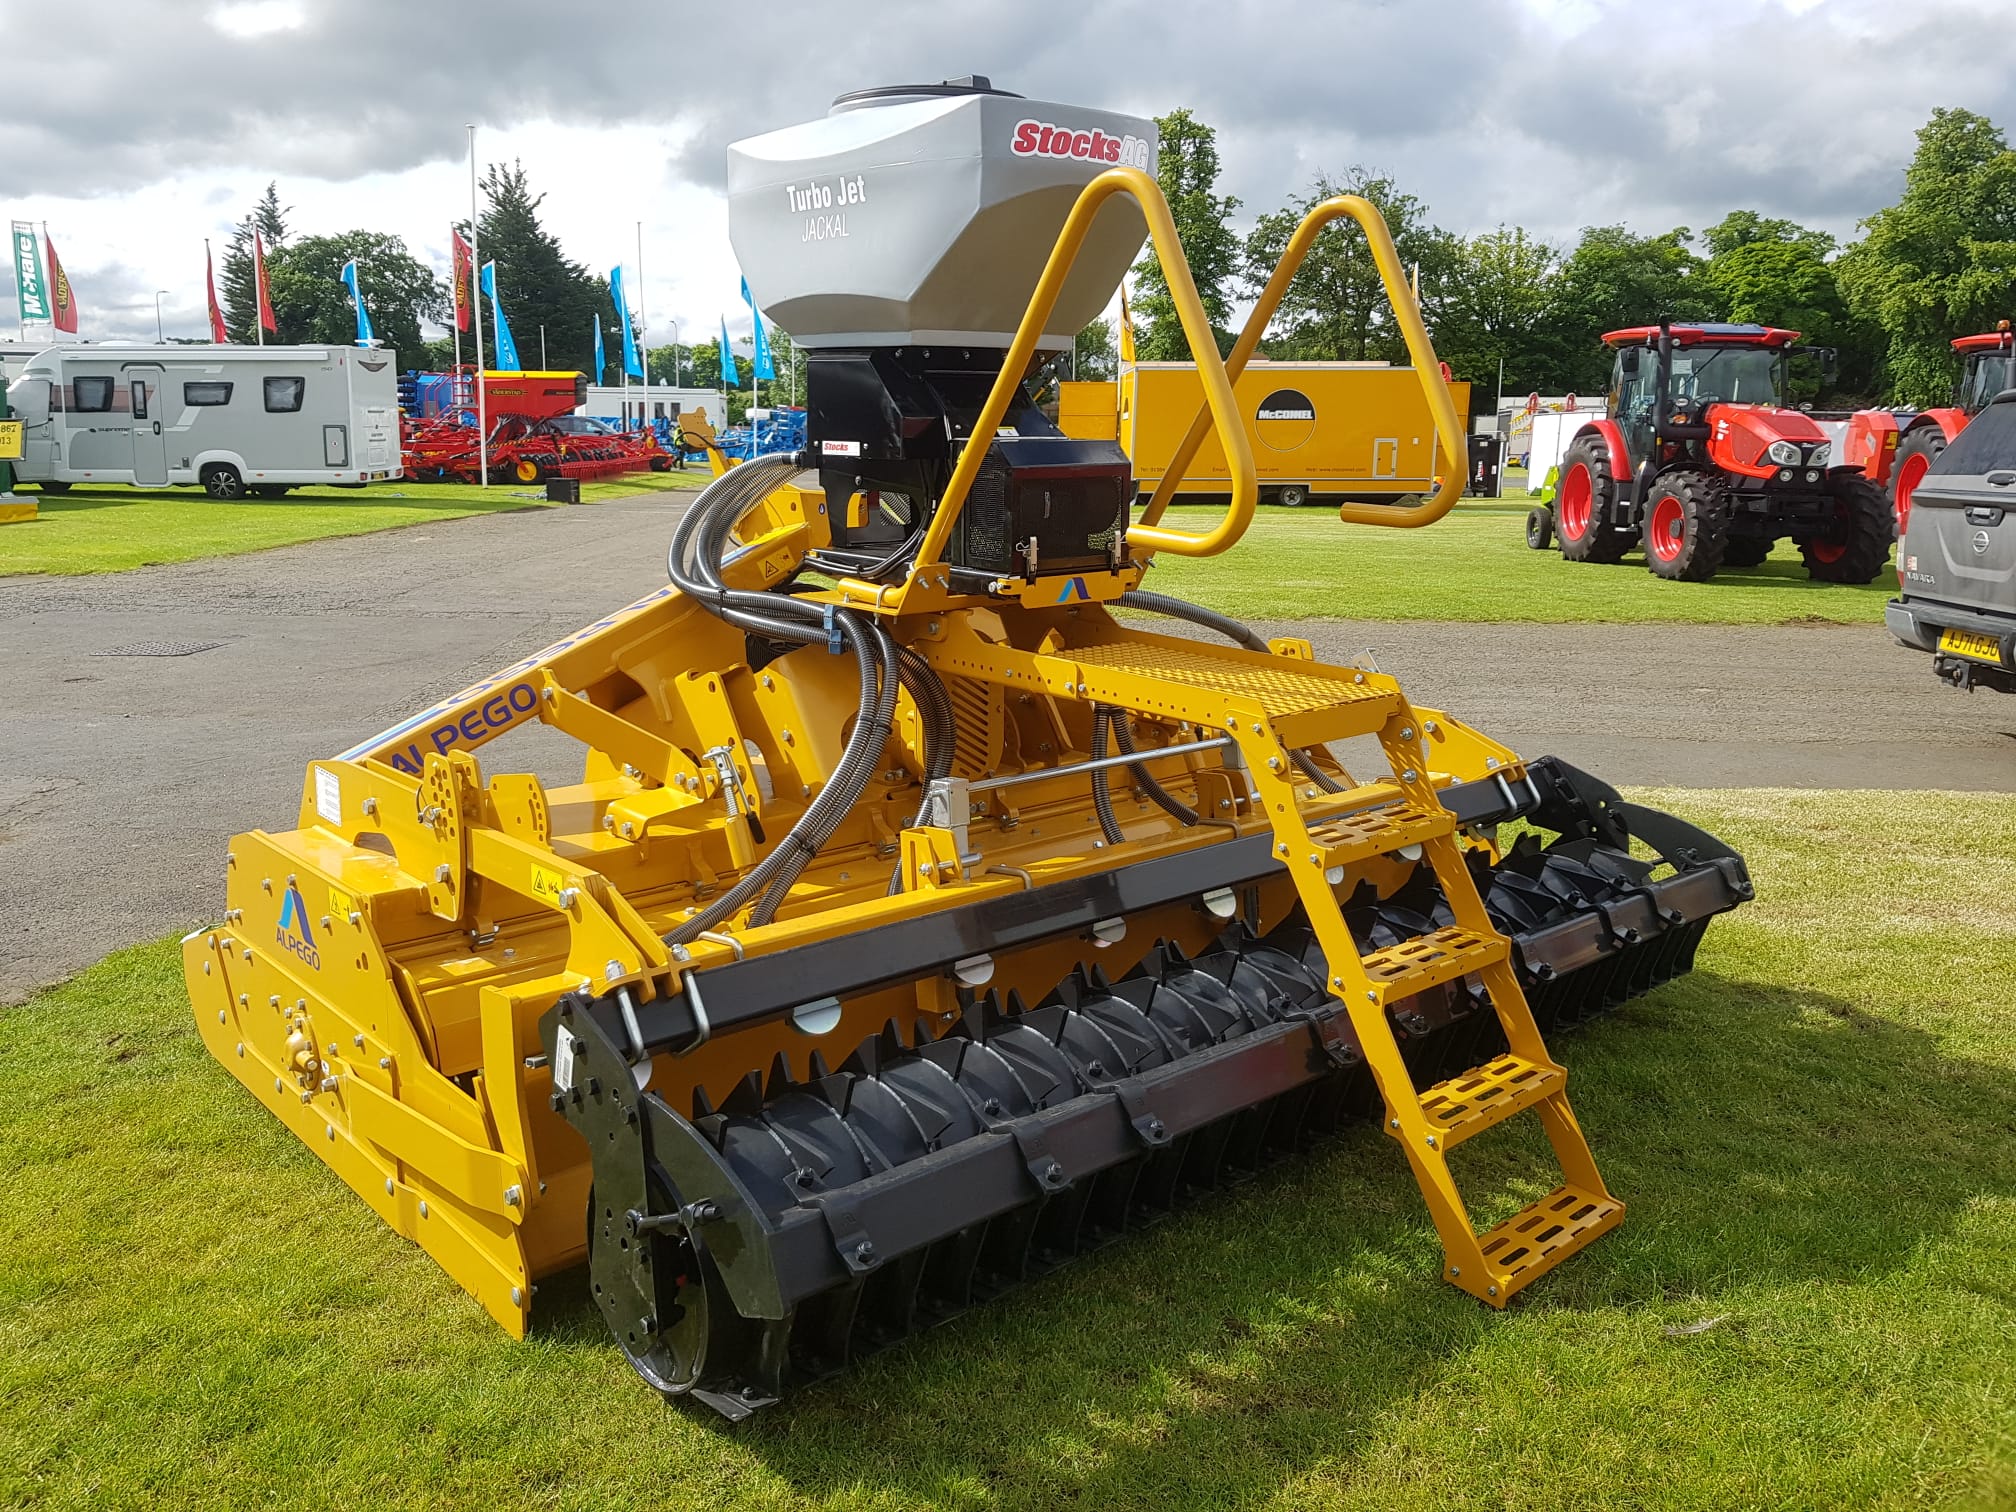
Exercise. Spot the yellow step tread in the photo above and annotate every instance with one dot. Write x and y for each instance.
(1487, 1095)
(1537, 1238)
(1425, 961)
(1351, 838)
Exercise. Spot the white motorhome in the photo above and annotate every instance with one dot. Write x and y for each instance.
(618, 405)
(234, 419)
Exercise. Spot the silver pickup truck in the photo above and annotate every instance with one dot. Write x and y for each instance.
(1957, 561)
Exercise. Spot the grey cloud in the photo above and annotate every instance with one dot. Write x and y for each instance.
(1652, 116)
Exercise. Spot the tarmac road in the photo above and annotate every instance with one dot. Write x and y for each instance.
(123, 775)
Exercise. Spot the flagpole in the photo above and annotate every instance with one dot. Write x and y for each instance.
(455, 324)
(476, 309)
(643, 334)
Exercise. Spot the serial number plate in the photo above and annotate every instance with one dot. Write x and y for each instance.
(1971, 644)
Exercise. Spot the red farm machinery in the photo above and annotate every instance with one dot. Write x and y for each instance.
(1698, 460)
(1897, 448)
(534, 434)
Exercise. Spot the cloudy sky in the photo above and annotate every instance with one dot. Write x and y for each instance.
(136, 128)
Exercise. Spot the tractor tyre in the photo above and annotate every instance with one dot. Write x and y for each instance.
(1687, 525)
(1857, 547)
(1916, 453)
(1582, 502)
(1746, 551)
(1540, 527)
(222, 481)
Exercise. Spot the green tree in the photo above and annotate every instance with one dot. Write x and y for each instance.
(1093, 359)
(537, 282)
(1740, 228)
(672, 364)
(1493, 307)
(237, 292)
(1187, 169)
(1613, 279)
(1785, 282)
(1336, 308)
(1941, 262)
(312, 305)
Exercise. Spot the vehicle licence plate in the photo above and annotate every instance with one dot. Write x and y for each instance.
(1971, 644)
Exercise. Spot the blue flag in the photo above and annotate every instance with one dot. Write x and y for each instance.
(601, 362)
(765, 368)
(364, 337)
(729, 377)
(506, 354)
(631, 365)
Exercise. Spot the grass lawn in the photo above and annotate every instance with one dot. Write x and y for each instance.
(1816, 1133)
(100, 528)
(1474, 565)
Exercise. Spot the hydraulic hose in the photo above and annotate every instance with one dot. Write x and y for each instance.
(1232, 630)
(1164, 800)
(693, 562)
(1102, 796)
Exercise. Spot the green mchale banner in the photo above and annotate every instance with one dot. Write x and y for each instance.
(28, 274)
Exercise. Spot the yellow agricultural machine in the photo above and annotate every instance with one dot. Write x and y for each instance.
(917, 923)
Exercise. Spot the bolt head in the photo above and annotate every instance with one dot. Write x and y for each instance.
(517, 1296)
(423, 1207)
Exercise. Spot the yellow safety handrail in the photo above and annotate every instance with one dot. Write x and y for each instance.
(1220, 410)
(1448, 429)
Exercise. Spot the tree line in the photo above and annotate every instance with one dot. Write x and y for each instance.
(1939, 263)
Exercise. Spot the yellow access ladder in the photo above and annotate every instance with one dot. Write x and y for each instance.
(1496, 1263)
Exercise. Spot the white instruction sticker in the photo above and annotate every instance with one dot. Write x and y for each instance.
(563, 1062)
(328, 795)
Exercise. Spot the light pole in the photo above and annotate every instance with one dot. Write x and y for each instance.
(159, 338)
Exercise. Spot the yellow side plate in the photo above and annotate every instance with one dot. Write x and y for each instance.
(1971, 644)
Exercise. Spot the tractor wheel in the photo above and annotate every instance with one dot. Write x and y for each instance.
(1856, 547)
(1582, 502)
(1687, 525)
(1915, 455)
(526, 470)
(1540, 527)
(1746, 551)
(222, 481)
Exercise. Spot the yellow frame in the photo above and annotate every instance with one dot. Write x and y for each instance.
(1420, 350)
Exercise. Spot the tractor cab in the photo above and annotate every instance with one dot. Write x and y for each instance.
(1682, 370)
(1990, 368)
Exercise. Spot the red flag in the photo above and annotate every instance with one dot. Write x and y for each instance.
(265, 293)
(465, 259)
(217, 332)
(62, 298)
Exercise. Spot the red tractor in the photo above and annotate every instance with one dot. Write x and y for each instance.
(1698, 460)
(1898, 449)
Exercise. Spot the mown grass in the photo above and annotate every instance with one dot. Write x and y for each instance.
(98, 528)
(1474, 565)
(1816, 1133)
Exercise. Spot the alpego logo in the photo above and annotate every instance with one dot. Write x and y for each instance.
(1045, 139)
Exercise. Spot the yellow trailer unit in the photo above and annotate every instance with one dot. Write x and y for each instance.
(1353, 430)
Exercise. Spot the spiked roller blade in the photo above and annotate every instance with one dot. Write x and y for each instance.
(739, 1250)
